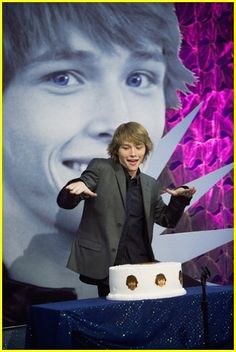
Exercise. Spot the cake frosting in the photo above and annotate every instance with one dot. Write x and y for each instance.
(145, 281)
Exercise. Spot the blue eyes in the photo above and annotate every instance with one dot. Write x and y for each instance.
(140, 80)
(67, 79)
(64, 79)
(60, 79)
(135, 80)
(72, 81)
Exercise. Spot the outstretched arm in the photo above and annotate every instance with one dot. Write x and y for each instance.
(169, 215)
(70, 195)
(79, 188)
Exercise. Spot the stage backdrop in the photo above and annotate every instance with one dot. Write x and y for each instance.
(36, 254)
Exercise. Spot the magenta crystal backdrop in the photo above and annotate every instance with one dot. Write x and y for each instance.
(207, 50)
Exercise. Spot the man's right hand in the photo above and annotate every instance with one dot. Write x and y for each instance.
(80, 188)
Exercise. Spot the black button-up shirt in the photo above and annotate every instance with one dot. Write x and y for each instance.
(133, 245)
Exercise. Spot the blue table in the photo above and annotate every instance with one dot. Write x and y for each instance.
(170, 323)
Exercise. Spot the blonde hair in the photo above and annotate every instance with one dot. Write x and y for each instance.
(132, 132)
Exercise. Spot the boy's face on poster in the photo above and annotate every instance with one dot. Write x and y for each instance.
(61, 110)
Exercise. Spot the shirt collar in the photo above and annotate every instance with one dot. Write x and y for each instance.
(128, 175)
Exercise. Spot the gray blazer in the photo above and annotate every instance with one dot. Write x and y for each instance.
(96, 243)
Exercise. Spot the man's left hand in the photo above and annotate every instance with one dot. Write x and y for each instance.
(187, 192)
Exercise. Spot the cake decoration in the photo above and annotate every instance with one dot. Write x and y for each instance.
(131, 282)
(160, 280)
(142, 281)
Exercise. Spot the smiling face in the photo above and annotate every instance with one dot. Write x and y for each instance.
(61, 110)
(131, 156)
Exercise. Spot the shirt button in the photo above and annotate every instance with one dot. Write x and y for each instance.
(113, 250)
(119, 224)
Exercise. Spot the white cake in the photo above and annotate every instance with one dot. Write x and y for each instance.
(145, 281)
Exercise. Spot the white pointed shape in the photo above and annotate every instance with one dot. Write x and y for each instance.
(166, 244)
(204, 183)
(168, 144)
(185, 246)
(181, 247)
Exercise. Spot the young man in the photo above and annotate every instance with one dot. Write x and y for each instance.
(72, 73)
(121, 206)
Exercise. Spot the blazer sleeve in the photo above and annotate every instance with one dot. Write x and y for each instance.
(169, 215)
(67, 200)
(90, 177)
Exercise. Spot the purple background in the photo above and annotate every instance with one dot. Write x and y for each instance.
(207, 50)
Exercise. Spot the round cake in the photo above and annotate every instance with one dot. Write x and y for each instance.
(145, 281)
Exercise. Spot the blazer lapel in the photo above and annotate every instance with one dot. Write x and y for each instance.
(121, 180)
(146, 191)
